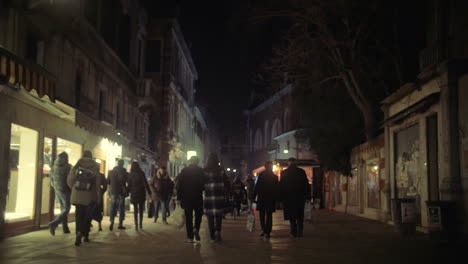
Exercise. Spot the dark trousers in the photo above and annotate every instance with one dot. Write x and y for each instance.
(297, 226)
(64, 200)
(189, 220)
(83, 219)
(214, 223)
(138, 208)
(266, 221)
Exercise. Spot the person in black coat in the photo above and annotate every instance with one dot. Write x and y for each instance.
(190, 186)
(266, 191)
(138, 188)
(295, 190)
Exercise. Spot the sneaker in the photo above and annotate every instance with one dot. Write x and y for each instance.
(197, 236)
(111, 227)
(52, 229)
(122, 227)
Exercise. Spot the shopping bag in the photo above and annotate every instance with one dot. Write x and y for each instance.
(308, 211)
(251, 222)
(179, 216)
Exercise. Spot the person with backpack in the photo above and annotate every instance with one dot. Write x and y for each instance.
(162, 187)
(58, 178)
(84, 182)
(117, 181)
(138, 188)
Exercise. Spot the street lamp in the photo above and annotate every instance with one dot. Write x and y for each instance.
(228, 169)
(234, 170)
(285, 151)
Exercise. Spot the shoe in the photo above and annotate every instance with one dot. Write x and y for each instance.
(67, 231)
(218, 237)
(189, 240)
(122, 227)
(155, 220)
(212, 241)
(165, 222)
(294, 235)
(197, 236)
(86, 238)
(262, 234)
(111, 227)
(52, 229)
(136, 227)
(267, 236)
(78, 239)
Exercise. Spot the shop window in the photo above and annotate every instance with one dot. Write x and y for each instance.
(47, 164)
(22, 182)
(373, 192)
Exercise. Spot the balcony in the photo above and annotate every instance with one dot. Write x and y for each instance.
(18, 73)
(430, 57)
(146, 93)
(106, 117)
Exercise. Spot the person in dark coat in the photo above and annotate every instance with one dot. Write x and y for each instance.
(238, 193)
(161, 188)
(58, 179)
(117, 181)
(99, 208)
(138, 187)
(213, 203)
(295, 190)
(266, 192)
(190, 187)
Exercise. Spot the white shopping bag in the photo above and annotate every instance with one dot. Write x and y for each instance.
(179, 216)
(308, 211)
(251, 222)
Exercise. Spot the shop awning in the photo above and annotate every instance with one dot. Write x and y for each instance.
(98, 128)
(19, 73)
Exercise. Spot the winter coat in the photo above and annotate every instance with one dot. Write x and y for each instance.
(138, 187)
(117, 181)
(80, 197)
(250, 184)
(190, 185)
(215, 189)
(59, 174)
(162, 187)
(266, 191)
(294, 190)
(238, 190)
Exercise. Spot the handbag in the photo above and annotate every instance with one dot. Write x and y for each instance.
(179, 216)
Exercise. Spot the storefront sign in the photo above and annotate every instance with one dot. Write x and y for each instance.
(408, 213)
(434, 218)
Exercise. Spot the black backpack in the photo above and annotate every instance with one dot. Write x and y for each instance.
(85, 179)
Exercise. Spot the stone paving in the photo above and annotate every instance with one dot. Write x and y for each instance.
(330, 238)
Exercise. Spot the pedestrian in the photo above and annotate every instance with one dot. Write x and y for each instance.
(138, 187)
(213, 202)
(295, 190)
(238, 192)
(190, 187)
(161, 188)
(83, 181)
(117, 181)
(99, 208)
(58, 178)
(266, 192)
(250, 185)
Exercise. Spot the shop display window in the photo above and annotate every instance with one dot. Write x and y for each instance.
(22, 181)
(373, 188)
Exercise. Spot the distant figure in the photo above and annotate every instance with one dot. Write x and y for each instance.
(238, 193)
(213, 202)
(47, 162)
(190, 187)
(83, 181)
(99, 208)
(295, 190)
(250, 185)
(138, 188)
(161, 188)
(266, 191)
(117, 181)
(58, 179)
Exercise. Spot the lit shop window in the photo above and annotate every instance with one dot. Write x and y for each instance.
(22, 163)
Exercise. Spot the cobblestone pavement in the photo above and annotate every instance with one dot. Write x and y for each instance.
(330, 238)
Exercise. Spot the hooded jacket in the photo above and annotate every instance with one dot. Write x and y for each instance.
(161, 186)
(59, 174)
(85, 197)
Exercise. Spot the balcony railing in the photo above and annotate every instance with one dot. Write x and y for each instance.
(17, 72)
(430, 57)
(146, 93)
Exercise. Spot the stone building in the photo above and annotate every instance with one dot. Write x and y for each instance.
(70, 81)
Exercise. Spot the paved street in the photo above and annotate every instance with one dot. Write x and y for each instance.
(331, 238)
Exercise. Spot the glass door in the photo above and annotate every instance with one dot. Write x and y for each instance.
(48, 158)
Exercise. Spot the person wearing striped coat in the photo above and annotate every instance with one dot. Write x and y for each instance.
(214, 200)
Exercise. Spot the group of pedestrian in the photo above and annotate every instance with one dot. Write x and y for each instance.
(199, 191)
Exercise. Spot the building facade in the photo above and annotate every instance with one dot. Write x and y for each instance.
(69, 81)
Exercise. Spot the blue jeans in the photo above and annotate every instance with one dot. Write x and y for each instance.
(160, 205)
(117, 204)
(64, 200)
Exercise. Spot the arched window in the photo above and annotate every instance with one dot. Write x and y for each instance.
(267, 136)
(258, 140)
(276, 130)
(287, 120)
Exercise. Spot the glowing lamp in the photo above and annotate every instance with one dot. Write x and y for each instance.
(191, 153)
(285, 151)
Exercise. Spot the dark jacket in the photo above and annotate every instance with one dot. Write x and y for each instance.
(266, 191)
(250, 184)
(59, 174)
(117, 181)
(238, 189)
(295, 190)
(190, 185)
(80, 197)
(161, 188)
(215, 189)
(138, 187)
